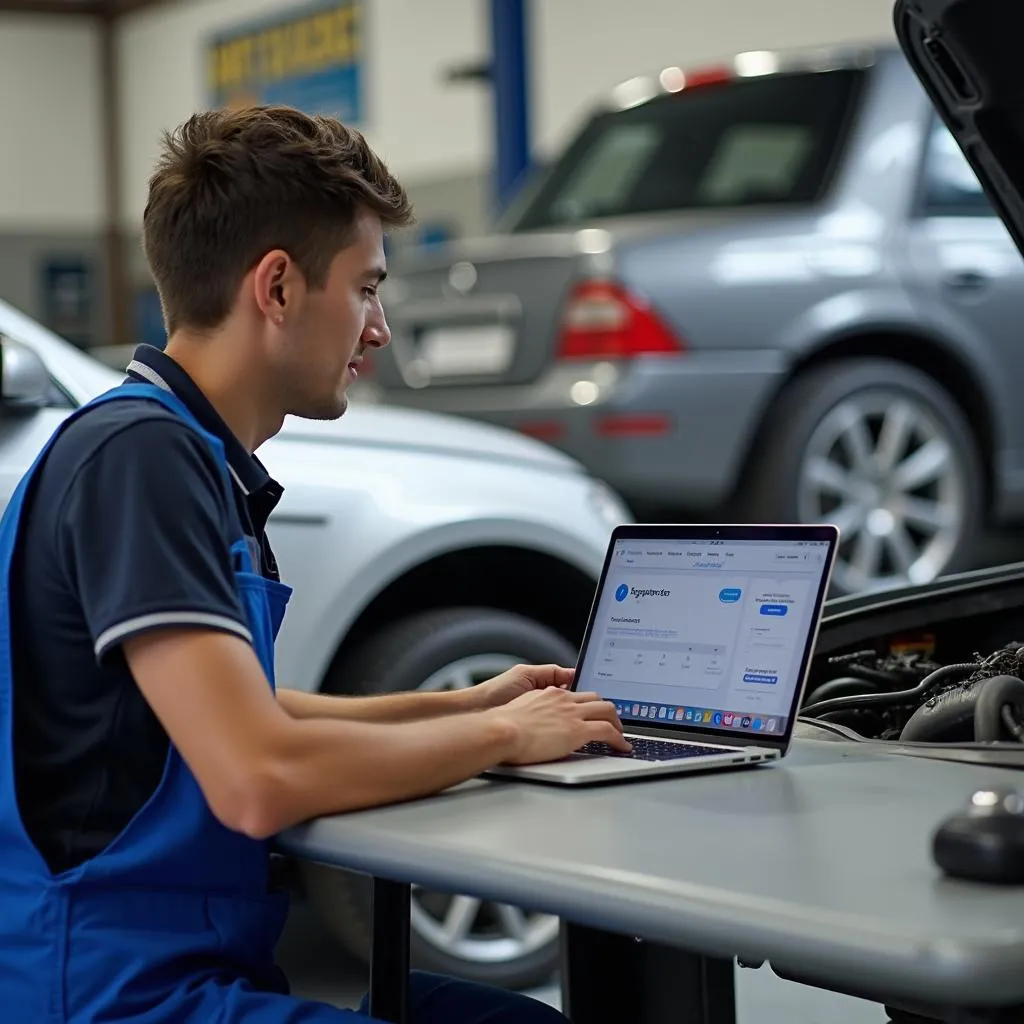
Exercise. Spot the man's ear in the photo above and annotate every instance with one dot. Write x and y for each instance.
(275, 279)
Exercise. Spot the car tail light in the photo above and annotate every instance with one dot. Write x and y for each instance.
(602, 320)
(542, 430)
(707, 76)
(643, 425)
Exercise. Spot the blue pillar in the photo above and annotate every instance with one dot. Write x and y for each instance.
(510, 83)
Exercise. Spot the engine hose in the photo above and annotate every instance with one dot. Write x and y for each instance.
(876, 675)
(997, 693)
(844, 686)
(930, 681)
(944, 718)
(1015, 729)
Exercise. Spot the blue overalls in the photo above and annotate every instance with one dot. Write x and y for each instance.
(174, 921)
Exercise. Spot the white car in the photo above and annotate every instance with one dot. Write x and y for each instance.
(425, 551)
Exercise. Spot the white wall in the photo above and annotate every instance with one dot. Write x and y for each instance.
(419, 125)
(582, 48)
(425, 128)
(51, 174)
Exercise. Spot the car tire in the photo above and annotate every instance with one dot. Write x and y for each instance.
(408, 655)
(798, 473)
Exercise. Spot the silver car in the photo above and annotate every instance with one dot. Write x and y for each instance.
(768, 290)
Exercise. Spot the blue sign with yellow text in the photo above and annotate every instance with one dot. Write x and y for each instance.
(310, 58)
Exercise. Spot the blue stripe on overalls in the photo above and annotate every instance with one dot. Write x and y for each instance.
(174, 921)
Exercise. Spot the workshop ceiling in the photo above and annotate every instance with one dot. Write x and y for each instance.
(77, 8)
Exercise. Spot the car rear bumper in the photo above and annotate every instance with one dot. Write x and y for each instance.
(664, 430)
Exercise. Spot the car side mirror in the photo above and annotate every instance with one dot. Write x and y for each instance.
(24, 381)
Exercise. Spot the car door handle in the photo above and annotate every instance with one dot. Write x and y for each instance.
(967, 281)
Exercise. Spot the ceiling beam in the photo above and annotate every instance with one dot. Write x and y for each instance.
(91, 8)
(128, 6)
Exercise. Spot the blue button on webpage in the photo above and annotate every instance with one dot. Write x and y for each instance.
(774, 609)
(768, 678)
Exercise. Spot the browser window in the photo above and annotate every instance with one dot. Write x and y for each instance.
(705, 633)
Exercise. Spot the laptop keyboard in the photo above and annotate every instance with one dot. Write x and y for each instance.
(651, 750)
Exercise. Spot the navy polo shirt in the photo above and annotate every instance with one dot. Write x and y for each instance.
(127, 529)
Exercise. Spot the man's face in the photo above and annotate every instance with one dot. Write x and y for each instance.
(336, 325)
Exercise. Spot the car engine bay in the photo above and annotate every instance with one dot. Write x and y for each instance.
(944, 669)
(905, 695)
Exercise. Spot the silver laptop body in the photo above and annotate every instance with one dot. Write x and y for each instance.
(701, 636)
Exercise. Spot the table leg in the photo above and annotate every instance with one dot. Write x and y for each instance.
(389, 958)
(608, 979)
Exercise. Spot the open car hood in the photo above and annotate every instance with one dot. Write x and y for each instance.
(967, 54)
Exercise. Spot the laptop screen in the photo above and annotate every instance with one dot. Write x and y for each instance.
(708, 634)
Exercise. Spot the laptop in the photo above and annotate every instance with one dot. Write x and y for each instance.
(701, 636)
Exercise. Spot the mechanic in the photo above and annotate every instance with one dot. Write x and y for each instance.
(147, 759)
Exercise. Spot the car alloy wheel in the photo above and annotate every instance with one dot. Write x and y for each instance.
(479, 931)
(884, 469)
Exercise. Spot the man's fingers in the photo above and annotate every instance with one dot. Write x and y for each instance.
(593, 706)
(605, 732)
(563, 676)
(544, 676)
(598, 709)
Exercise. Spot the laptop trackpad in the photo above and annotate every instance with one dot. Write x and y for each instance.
(578, 769)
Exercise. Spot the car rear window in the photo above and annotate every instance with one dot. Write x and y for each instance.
(746, 142)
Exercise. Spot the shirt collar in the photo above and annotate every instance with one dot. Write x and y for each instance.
(151, 365)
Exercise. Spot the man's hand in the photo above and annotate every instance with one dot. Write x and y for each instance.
(551, 723)
(516, 681)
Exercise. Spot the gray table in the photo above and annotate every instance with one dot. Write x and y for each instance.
(819, 864)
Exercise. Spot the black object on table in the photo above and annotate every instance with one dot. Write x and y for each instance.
(984, 842)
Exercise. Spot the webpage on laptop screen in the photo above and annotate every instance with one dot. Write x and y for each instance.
(708, 633)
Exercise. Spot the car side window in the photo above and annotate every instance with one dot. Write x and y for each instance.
(59, 398)
(949, 187)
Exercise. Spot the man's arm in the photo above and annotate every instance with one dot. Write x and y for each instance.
(155, 583)
(262, 770)
(410, 706)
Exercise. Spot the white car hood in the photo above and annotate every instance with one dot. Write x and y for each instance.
(366, 424)
(363, 425)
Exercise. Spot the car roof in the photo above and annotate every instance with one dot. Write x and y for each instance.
(744, 65)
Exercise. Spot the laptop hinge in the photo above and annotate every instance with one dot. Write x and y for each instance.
(693, 736)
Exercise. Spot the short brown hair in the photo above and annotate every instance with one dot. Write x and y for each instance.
(231, 185)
